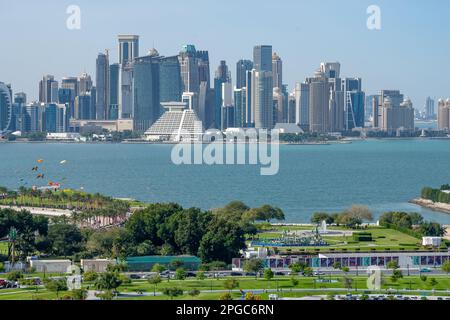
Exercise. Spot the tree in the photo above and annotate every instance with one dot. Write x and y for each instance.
(231, 284)
(158, 268)
(194, 292)
(308, 271)
(347, 282)
(55, 285)
(265, 213)
(154, 280)
(354, 216)
(200, 275)
(432, 229)
(268, 274)
(253, 266)
(424, 278)
(106, 295)
(252, 296)
(446, 266)
(65, 239)
(180, 274)
(222, 241)
(318, 217)
(226, 296)
(337, 265)
(14, 275)
(396, 275)
(393, 264)
(108, 281)
(90, 276)
(79, 294)
(433, 282)
(172, 292)
(297, 267)
(294, 281)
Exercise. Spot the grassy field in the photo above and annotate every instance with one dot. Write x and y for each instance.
(283, 284)
(383, 239)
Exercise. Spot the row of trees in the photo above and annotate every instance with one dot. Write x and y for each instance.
(441, 195)
(86, 205)
(412, 223)
(353, 217)
(158, 229)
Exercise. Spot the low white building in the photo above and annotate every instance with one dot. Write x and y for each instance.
(96, 265)
(431, 241)
(51, 266)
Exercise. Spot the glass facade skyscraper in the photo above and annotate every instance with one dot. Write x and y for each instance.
(262, 58)
(242, 66)
(170, 84)
(113, 91)
(5, 106)
(102, 84)
(146, 89)
(354, 103)
(128, 48)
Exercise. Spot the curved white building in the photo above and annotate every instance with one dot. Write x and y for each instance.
(5, 107)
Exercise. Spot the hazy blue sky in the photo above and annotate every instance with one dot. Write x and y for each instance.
(411, 52)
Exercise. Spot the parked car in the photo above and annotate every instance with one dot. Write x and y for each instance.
(236, 274)
(134, 276)
(425, 270)
(190, 274)
(3, 283)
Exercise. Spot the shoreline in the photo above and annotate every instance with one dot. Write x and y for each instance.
(435, 206)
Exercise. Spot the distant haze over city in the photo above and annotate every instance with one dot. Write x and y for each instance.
(408, 53)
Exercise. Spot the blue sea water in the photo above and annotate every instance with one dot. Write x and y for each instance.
(382, 174)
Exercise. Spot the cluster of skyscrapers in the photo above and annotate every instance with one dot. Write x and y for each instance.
(135, 89)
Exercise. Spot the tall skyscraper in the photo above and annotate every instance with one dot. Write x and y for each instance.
(292, 106)
(222, 76)
(84, 83)
(240, 107)
(395, 115)
(302, 105)
(170, 83)
(227, 114)
(277, 69)
(242, 66)
(128, 51)
(114, 70)
(102, 79)
(146, 89)
(319, 96)
(189, 68)
(203, 67)
(71, 83)
(5, 106)
(429, 109)
(331, 69)
(444, 115)
(85, 106)
(128, 48)
(125, 108)
(354, 103)
(48, 89)
(262, 99)
(262, 58)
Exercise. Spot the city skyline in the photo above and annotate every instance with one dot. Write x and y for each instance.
(400, 67)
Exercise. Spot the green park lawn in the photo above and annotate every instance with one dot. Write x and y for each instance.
(383, 239)
(284, 284)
